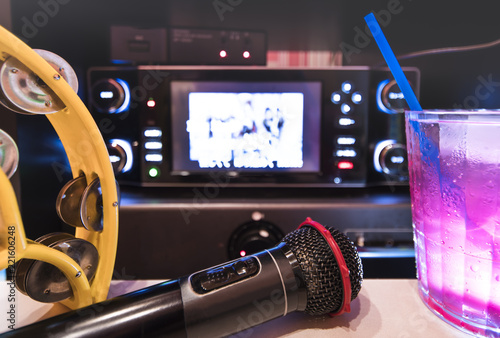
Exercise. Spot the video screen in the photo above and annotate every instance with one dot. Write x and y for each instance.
(245, 126)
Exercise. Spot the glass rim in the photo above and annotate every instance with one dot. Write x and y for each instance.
(488, 116)
(481, 111)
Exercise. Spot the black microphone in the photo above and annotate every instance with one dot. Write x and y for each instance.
(314, 269)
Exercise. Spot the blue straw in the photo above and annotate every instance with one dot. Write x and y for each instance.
(392, 62)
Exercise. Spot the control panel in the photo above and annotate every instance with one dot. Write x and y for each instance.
(258, 126)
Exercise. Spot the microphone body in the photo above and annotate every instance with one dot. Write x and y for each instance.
(216, 302)
(252, 290)
(296, 275)
(150, 312)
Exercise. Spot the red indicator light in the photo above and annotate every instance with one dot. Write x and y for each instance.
(345, 165)
(243, 253)
(151, 103)
(246, 54)
(222, 53)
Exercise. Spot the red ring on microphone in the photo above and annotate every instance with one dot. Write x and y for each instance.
(344, 271)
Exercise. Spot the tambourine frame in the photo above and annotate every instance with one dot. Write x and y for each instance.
(88, 156)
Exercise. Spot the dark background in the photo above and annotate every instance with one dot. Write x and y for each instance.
(78, 31)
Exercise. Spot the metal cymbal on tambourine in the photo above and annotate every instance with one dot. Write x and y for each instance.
(68, 201)
(24, 92)
(23, 265)
(80, 205)
(91, 207)
(44, 282)
(9, 154)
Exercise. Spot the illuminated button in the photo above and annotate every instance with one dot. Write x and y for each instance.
(222, 53)
(345, 165)
(346, 121)
(246, 54)
(151, 103)
(357, 98)
(336, 97)
(153, 158)
(395, 96)
(345, 108)
(346, 87)
(107, 94)
(154, 172)
(152, 132)
(345, 140)
(346, 153)
(397, 159)
(153, 145)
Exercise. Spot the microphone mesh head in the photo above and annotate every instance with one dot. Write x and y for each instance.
(321, 272)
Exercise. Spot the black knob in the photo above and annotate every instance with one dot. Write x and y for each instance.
(253, 237)
(120, 155)
(393, 160)
(391, 98)
(110, 96)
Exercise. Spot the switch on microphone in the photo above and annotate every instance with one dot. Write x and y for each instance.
(224, 275)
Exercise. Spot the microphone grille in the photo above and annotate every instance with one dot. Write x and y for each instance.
(320, 269)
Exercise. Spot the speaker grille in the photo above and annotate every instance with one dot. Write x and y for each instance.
(321, 271)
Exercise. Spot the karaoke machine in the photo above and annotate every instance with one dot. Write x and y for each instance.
(252, 126)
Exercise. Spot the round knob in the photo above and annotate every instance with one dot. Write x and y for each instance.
(120, 155)
(391, 158)
(253, 237)
(390, 99)
(111, 96)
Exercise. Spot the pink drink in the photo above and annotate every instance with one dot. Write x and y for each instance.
(454, 160)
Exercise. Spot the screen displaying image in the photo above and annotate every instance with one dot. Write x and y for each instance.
(246, 130)
(245, 126)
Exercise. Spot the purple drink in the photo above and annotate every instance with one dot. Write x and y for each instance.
(454, 160)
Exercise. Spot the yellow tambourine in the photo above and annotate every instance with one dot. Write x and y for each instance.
(75, 270)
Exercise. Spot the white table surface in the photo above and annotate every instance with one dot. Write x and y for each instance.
(383, 308)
